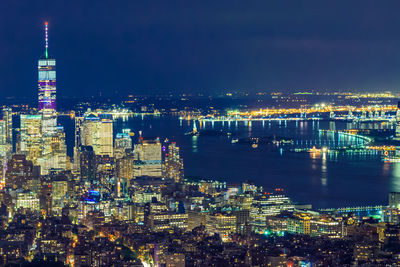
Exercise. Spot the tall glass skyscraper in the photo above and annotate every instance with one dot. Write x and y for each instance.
(47, 79)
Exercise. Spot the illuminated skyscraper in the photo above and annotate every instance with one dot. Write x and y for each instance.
(54, 152)
(3, 134)
(31, 143)
(148, 157)
(173, 167)
(7, 117)
(47, 79)
(97, 132)
(397, 134)
(123, 141)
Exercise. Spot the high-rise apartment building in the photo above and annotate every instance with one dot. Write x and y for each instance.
(87, 163)
(3, 136)
(173, 167)
(125, 168)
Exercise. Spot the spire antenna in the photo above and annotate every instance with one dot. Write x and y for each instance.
(46, 24)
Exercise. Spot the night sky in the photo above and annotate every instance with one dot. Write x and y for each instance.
(145, 47)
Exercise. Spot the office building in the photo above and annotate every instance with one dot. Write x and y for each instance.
(95, 131)
(54, 153)
(3, 138)
(167, 221)
(267, 205)
(148, 158)
(31, 143)
(47, 79)
(124, 168)
(27, 200)
(123, 142)
(222, 224)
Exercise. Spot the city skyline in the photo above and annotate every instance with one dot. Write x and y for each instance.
(94, 173)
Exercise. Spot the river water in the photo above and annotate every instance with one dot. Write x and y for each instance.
(324, 180)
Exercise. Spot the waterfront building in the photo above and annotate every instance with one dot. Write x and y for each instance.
(267, 205)
(123, 142)
(95, 131)
(299, 223)
(148, 158)
(326, 226)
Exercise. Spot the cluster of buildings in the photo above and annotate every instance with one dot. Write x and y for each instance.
(125, 203)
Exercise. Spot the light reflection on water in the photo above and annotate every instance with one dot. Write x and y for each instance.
(330, 180)
(194, 144)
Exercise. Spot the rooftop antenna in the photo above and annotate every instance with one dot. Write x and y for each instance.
(46, 24)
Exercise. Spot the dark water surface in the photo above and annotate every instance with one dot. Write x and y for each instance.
(324, 180)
